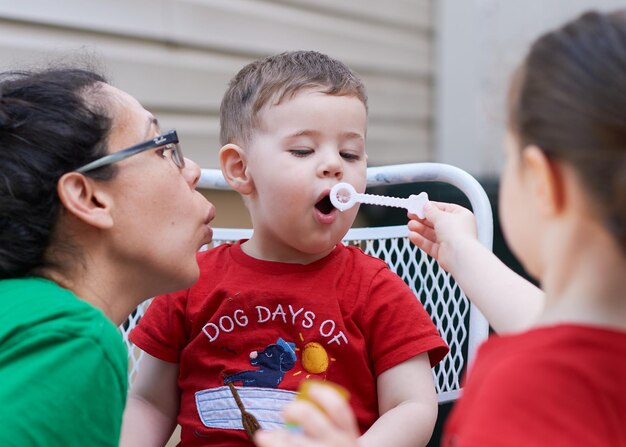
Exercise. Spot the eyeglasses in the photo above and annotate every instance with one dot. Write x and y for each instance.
(169, 140)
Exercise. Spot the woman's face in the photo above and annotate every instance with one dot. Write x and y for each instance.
(160, 220)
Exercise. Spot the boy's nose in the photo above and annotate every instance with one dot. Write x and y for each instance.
(331, 167)
(191, 172)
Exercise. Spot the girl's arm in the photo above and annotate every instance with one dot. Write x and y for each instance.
(448, 233)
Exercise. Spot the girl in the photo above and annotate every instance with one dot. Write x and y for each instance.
(557, 376)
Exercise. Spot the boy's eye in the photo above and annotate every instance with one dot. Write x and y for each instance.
(350, 156)
(301, 152)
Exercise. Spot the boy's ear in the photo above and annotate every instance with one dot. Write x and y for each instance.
(546, 180)
(234, 164)
(84, 201)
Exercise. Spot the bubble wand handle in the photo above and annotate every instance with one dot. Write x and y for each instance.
(373, 199)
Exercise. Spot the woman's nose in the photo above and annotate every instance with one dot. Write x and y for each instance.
(191, 172)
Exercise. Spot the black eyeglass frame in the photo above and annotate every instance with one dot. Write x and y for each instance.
(167, 139)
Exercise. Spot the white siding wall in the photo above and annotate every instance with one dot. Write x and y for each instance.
(479, 43)
(177, 56)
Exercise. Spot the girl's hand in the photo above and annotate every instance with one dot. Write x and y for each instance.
(327, 420)
(444, 232)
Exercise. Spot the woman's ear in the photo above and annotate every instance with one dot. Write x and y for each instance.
(84, 201)
(234, 164)
(546, 180)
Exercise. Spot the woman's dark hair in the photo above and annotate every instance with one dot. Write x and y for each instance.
(569, 99)
(51, 122)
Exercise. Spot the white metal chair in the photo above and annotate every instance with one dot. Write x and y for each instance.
(459, 322)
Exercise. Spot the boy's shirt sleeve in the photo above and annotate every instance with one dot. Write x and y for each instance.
(161, 332)
(396, 325)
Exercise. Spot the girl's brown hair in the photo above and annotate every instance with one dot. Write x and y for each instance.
(569, 99)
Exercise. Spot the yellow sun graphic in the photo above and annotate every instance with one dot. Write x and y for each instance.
(314, 358)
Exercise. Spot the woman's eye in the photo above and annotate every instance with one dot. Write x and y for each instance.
(162, 151)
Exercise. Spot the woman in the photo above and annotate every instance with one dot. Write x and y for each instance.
(98, 212)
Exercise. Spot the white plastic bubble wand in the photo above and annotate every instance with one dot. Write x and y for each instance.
(343, 196)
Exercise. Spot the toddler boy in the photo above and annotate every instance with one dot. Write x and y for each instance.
(291, 302)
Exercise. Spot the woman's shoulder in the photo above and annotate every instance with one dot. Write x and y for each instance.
(29, 300)
(36, 308)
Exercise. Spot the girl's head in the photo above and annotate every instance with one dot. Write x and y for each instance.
(567, 104)
(139, 217)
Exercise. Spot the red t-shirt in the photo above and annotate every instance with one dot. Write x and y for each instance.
(555, 386)
(266, 326)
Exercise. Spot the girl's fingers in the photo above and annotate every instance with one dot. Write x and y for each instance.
(448, 207)
(424, 229)
(429, 247)
(282, 438)
(308, 418)
(336, 408)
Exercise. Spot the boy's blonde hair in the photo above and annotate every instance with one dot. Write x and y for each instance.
(275, 78)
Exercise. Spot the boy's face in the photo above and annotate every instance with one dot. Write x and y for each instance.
(303, 147)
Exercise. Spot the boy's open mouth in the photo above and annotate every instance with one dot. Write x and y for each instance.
(324, 205)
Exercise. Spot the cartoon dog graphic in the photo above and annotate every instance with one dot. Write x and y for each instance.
(273, 362)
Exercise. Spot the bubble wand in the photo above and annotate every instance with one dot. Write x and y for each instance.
(343, 196)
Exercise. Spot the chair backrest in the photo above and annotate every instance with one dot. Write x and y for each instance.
(459, 322)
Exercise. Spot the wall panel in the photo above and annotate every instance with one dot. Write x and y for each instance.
(177, 56)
